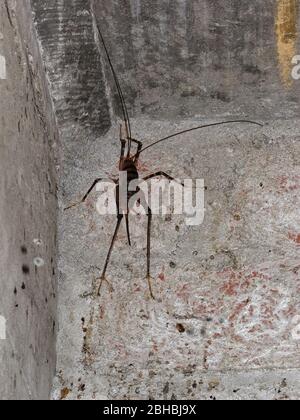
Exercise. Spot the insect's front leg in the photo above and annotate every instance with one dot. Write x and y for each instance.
(86, 195)
(160, 173)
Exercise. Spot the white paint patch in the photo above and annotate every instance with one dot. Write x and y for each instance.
(38, 242)
(39, 262)
(2, 68)
(296, 69)
(2, 328)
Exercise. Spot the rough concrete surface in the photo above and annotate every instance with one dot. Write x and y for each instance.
(225, 321)
(27, 212)
(227, 291)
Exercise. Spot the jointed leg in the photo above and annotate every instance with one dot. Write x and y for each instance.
(127, 228)
(102, 278)
(86, 195)
(160, 173)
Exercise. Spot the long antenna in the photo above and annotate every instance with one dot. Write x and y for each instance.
(121, 96)
(199, 128)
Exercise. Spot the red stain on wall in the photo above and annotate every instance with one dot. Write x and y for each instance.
(295, 237)
(237, 281)
(289, 184)
(162, 277)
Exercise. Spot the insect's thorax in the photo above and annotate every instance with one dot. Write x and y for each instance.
(128, 165)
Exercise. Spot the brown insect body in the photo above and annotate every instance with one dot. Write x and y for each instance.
(129, 165)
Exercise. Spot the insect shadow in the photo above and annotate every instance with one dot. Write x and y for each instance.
(131, 149)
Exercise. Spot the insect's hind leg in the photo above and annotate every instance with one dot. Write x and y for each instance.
(103, 278)
(142, 201)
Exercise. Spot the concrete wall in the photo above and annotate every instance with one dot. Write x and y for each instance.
(204, 58)
(27, 212)
(225, 321)
(174, 58)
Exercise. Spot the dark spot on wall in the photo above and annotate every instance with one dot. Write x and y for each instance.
(15, 291)
(180, 328)
(25, 269)
(23, 286)
(81, 388)
(24, 250)
(220, 96)
(172, 264)
(64, 393)
(166, 389)
(252, 69)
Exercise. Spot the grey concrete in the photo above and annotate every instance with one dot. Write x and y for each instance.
(28, 208)
(200, 58)
(182, 58)
(227, 291)
(225, 323)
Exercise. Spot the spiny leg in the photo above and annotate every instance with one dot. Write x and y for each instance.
(102, 278)
(160, 173)
(86, 195)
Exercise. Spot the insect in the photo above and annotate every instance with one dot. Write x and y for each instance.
(131, 149)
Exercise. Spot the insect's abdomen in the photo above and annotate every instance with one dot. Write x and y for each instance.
(129, 166)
